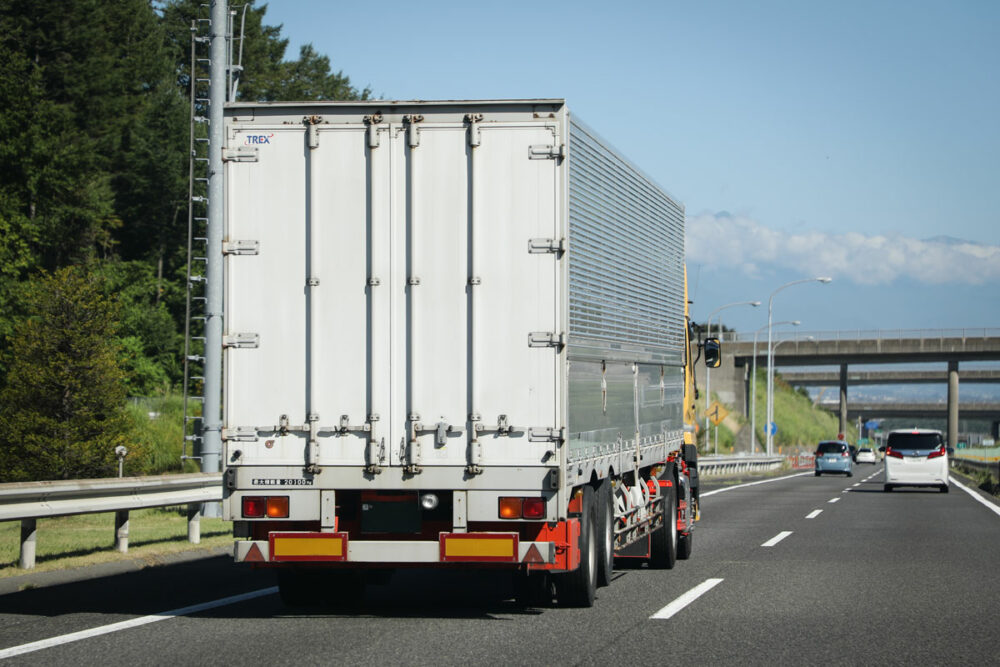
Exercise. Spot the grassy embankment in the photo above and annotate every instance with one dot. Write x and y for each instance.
(800, 424)
(87, 539)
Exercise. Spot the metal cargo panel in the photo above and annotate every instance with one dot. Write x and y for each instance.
(403, 315)
(626, 306)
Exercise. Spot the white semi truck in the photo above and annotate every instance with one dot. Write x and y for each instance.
(456, 336)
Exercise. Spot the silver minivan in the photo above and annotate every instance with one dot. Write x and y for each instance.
(916, 457)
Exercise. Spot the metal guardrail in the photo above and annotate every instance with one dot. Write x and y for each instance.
(30, 501)
(986, 463)
(727, 465)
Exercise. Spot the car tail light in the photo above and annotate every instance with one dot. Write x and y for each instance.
(510, 508)
(936, 453)
(254, 506)
(277, 507)
(843, 454)
(894, 454)
(533, 508)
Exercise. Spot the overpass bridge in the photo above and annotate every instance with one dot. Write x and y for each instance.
(867, 409)
(832, 379)
(846, 348)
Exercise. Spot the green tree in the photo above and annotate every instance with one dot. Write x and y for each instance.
(62, 412)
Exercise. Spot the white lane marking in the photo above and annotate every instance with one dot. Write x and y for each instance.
(857, 484)
(133, 623)
(833, 500)
(993, 508)
(740, 486)
(814, 514)
(686, 599)
(777, 538)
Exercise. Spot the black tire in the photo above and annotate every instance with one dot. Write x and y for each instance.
(578, 588)
(605, 500)
(663, 543)
(684, 545)
(817, 473)
(850, 474)
(296, 588)
(887, 488)
(943, 488)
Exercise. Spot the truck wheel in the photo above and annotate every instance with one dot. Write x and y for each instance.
(663, 543)
(296, 588)
(577, 588)
(605, 532)
(684, 545)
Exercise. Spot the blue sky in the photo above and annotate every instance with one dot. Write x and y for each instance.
(859, 140)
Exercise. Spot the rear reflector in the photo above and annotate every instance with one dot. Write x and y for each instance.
(308, 546)
(479, 547)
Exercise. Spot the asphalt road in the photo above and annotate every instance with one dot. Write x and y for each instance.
(908, 577)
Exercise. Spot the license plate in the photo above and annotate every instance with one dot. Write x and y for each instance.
(833, 459)
(914, 459)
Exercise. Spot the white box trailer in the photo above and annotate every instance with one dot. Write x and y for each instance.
(455, 333)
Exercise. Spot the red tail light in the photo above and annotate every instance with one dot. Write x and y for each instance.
(896, 455)
(844, 454)
(254, 506)
(533, 508)
(936, 453)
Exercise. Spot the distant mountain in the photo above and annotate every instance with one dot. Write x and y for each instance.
(948, 240)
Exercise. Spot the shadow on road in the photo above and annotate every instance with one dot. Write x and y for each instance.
(410, 593)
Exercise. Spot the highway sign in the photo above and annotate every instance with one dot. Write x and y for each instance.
(871, 424)
(717, 413)
(772, 428)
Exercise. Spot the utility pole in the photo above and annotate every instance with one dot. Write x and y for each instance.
(211, 444)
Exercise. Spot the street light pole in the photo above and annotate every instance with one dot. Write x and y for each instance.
(708, 371)
(770, 356)
(753, 385)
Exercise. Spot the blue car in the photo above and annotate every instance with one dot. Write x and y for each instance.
(834, 456)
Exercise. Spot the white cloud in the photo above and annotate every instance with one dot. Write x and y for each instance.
(725, 240)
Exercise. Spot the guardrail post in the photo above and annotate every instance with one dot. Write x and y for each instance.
(194, 523)
(121, 531)
(29, 535)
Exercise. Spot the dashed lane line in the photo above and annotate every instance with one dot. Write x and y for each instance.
(777, 538)
(814, 514)
(833, 500)
(993, 508)
(132, 623)
(740, 486)
(686, 599)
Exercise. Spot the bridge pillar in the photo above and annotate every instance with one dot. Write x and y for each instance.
(995, 430)
(952, 403)
(843, 399)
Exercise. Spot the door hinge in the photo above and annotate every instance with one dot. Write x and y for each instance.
(473, 120)
(241, 154)
(242, 340)
(547, 151)
(546, 339)
(540, 246)
(242, 247)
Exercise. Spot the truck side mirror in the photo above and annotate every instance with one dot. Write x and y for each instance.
(713, 352)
